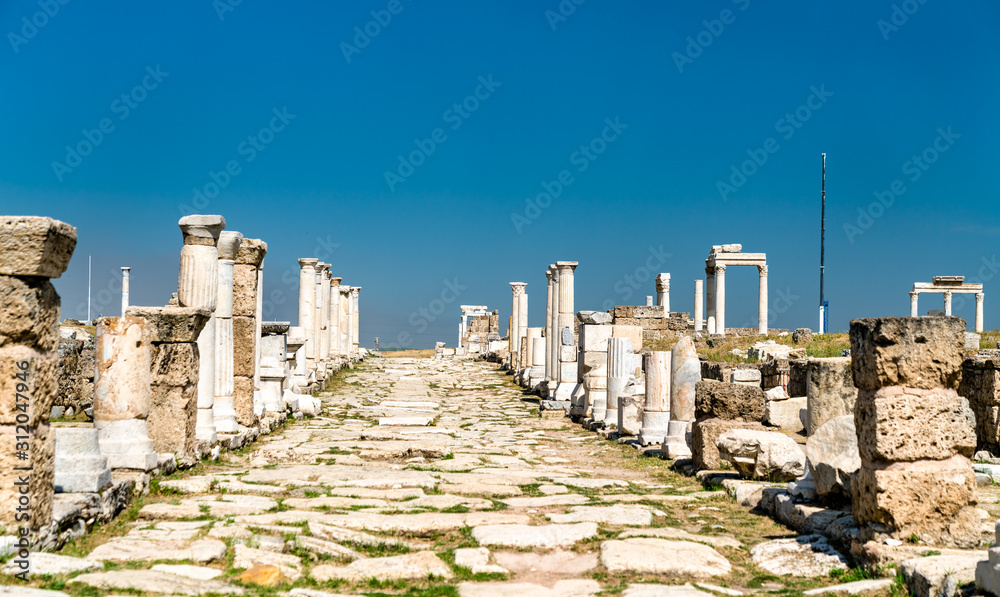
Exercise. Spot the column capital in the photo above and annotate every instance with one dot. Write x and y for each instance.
(567, 266)
(762, 270)
(355, 291)
(517, 288)
(344, 290)
(947, 294)
(229, 244)
(979, 297)
(720, 268)
(548, 274)
(335, 282)
(323, 268)
(305, 262)
(663, 282)
(201, 229)
(709, 271)
(914, 294)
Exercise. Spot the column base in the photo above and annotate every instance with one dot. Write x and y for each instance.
(578, 401)
(654, 427)
(224, 414)
(677, 444)
(79, 465)
(611, 416)
(564, 391)
(205, 427)
(126, 444)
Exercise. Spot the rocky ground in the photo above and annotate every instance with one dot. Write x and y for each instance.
(431, 477)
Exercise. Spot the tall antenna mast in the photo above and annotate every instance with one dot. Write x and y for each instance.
(822, 251)
(90, 259)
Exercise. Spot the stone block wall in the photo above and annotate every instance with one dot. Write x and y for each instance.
(980, 385)
(76, 370)
(656, 324)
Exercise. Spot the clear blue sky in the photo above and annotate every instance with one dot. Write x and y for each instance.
(547, 85)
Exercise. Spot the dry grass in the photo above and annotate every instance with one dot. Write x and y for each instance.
(408, 354)
(719, 349)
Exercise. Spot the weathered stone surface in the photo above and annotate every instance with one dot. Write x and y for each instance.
(35, 246)
(173, 414)
(477, 560)
(675, 533)
(704, 434)
(42, 563)
(858, 587)
(37, 391)
(248, 557)
(932, 499)
(132, 550)
(149, 581)
(29, 313)
(544, 537)
(981, 386)
(244, 334)
(787, 415)
(905, 424)
(660, 556)
(40, 486)
(411, 566)
(174, 364)
(832, 455)
(19, 590)
(193, 572)
(830, 390)
(802, 335)
(555, 563)
(807, 556)
(614, 515)
(942, 575)
(172, 324)
(243, 401)
(244, 289)
(915, 352)
(563, 588)
(762, 454)
(728, 401)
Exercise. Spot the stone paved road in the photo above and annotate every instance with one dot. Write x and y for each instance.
(425, 477)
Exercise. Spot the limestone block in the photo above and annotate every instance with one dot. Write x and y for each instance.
(786, 414)
(915, 352)
(946, 575)
(762, 454)
(749, 377)
(174, 364)
(567, 354)
(933, 499)
(244, 345)
(252, 252)
(630, 414)
(121, 388)
(243, 399)
(29, 313)
(568, 372)
(566, 337)
(906, 424)
(728, 401)
(632, 332)
(594, 338)
(832, 456)
(172, 418)
(798, 373)
(35, 246)
(704, 434)
(79, 465)
(244, 290)
(41, 452)
(37, 393)
(594, 317)
(172, 324)
(830, 389)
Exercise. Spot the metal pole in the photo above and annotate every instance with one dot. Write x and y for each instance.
(90, 259)
(822, 247)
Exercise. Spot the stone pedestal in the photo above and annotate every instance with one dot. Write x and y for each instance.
(224, 408)
(248, 293)
(536, 374)
(299, 381)
(916, 435)
(79, 465)
(685, 373)
(198, 287)
(272, 371)
(32, 249)
(122, 392)
(656, 414)
(174, 370)
(619, 365)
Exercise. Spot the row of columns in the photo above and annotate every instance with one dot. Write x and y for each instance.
(328, 316)
(716, 277)
(914, 310)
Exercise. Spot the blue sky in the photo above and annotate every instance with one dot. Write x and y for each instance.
(412, 157)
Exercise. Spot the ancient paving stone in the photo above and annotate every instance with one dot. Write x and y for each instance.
(674, 533)
(248, 557)
(808, 556)
(563, 588)
(544, 537)
(19, 590)
(477, 559)
(51, 563)
(660, 556)
(137, 550)
(645, 590)
(552, 564)
(549, 500)
(859, 587)
(613, 515)
(193, 572)
(411, 566)
(149, 581)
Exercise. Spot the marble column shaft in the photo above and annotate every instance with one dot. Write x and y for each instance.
(345, 321)
(548, 323)
(663, 292)
(567, 318)
(522, 326)
(307, 306)
(334, 324)
(979, 312)
(656, 413)
(710, 299)
(698, 300)
(762, 300)
(324, 316)
(224, 408)
(355, 320)
(513, 334)
(914, 309)
(947, 303)
(619, 368)
(720, 300)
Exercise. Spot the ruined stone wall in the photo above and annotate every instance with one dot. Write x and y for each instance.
(980, 385)
(655, 323)
(77, 365)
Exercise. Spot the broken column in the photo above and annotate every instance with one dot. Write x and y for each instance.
(299, 381)
(698, 299)
(198, 287)
(566, 337)
(247, 302)
(685, 372)
(272, 370)
(334, 324)
(513, 331)
(32, 250)
(656, 414)
(122, 393)
(174, 371)
(619, 363)
(307, 308)
(355, 321)
(522, 329)
(536, 374)
(225, 406)
(663, 292)
(915, 433)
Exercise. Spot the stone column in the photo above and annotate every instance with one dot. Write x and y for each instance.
(345, 322)
(548, 323)
(685, 372)
(947, 303)
(122, 393)
(248, 291)
(710, 300)
(916, 435)
(567, 318)
(32, 250)
(225, 403)
(914, 309)
(979, 312)
(307, 307)
(720, 300)
(619, 363)
(355, 321)
(663, 292)
(536, 374)
(531, 334)
(762, 300)
(649, 300)
(272, 371)
(555, 340)
(320, 356)
(324, 316)
(698, 299)
(198, 287)
(522, 328)
(125, 277)
(174, 374)
(656, 414)
(335, 318)
(461, 328)
(513, 333)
